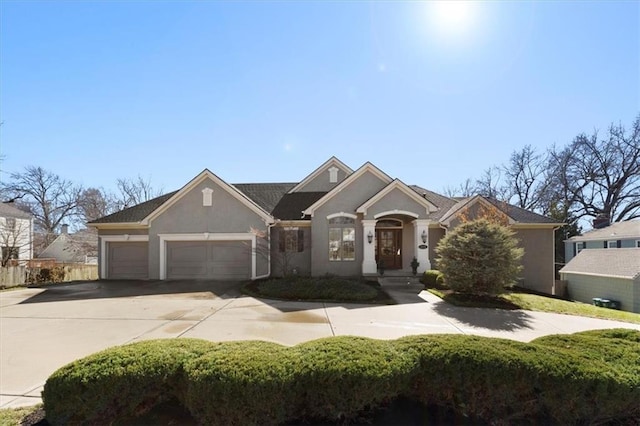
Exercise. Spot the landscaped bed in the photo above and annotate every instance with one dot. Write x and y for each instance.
(319, 289)
(589, 377)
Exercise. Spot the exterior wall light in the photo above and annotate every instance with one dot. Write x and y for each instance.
(424, 236)
(370, 237)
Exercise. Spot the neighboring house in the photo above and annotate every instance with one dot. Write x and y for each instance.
(617, 235)
(79, 247)
(335, 221)
(607, 274)
(16, 234)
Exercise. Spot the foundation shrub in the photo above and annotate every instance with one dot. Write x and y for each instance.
(433, 278)
(591, 377)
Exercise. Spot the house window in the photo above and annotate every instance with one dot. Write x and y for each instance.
(10, 224)
(342, 238)
(638, 243)
(612, 244)
(9, 253)
(579, 247)
(291, 240)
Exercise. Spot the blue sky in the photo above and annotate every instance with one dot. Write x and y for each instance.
(267, 91)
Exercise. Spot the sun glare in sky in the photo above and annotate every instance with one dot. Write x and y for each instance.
(451, 18)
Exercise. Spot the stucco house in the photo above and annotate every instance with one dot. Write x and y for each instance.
(76, 247)
(617, 235)
(606, 274)
(335, 221)
(16, 234)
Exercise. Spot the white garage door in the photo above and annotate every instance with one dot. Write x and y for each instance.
(128, 260)
(213, 260)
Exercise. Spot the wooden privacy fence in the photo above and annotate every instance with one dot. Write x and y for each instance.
(11, 276)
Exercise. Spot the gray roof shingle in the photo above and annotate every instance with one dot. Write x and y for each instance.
(135, 213)
(617, 230)
(518, 214)
(291, 205)
(7, 210)
(266, 195)
(619, 262)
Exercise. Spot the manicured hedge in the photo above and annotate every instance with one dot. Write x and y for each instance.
(566, 379)
(432, 278)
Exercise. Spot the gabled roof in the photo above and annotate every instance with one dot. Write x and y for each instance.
(292, 205)
(333, 161)
(516, 215)
(618, 262)
(135, 213)
(366, 167)
(72, 247)
(397, 184)
(521, 215)
(266, 195)
(615, 231)
(204, 175)
(7, 210)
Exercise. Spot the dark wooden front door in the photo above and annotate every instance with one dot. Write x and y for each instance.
(389, 247)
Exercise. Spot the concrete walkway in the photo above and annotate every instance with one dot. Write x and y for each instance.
(42, 330)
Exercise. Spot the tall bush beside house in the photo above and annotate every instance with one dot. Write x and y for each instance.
(479, 257)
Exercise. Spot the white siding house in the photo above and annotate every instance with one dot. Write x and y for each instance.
(607, 274)
(16, 234)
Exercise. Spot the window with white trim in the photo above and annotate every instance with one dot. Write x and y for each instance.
(579, 246)
(291, 240)
(612, 244)
(342, 239)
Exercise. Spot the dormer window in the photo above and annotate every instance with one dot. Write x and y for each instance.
(333, 175)
(207, 197)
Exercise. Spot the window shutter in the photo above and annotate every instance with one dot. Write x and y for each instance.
(282, 239)
(575, 249)
(605, 244)
(300, 240)
(619, 243)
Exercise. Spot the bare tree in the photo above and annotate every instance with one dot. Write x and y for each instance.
(526, 179)
(96, 203)
(491, 184)
(465, 189)
(601, 176)
(135, 191)
(51, 199)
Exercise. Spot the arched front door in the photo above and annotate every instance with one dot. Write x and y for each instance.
(389, 243)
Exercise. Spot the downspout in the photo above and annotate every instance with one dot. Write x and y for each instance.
(553, 246)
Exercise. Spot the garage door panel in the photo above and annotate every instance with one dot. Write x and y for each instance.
(128, 260)
(216, 260)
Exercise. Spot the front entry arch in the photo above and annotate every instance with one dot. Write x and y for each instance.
(389, 243)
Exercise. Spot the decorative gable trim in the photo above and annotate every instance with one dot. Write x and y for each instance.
(401, 186)
(204, 175)
(452, 213)
(331, 162)
(367, 167)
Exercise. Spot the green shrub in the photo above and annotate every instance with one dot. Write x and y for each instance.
(576, 379)
(433, 278)
(315, 289)
(479, 257)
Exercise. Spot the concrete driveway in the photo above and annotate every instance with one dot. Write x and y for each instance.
(44, 329)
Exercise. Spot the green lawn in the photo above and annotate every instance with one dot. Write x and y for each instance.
(15, 416)
(532, 302)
